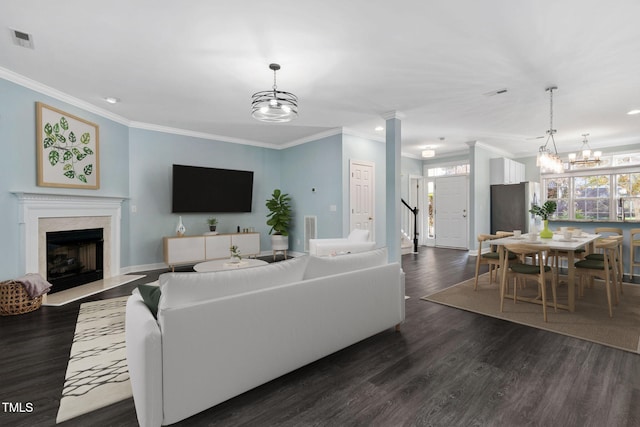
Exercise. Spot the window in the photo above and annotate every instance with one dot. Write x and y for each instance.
(628, 194)
(450, 170)
(558, 191)
(591, 197)
(597, 193)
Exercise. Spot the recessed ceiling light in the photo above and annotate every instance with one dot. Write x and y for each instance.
(379, 128)
(112, 100)
(428, 153)
(632, 112)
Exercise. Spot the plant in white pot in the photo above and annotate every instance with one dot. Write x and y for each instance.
(279, 218)
(213, 222)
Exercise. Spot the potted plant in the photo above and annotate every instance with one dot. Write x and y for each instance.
(544, 212)
(236, 257)
(279, 218)
(212, 221)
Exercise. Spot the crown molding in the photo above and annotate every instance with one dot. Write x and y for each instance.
(495, 150)
(66, 98)
(60, 96)
(310, 138)
(358, 134)
(393, 115)
(201, 135)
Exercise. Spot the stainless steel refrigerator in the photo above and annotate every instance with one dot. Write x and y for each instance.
(510, 204)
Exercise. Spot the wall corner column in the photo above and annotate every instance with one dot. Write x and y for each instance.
(393, 169)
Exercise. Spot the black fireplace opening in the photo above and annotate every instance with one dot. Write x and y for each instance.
(74, 258)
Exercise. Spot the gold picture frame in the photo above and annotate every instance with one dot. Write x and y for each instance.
(67, 149)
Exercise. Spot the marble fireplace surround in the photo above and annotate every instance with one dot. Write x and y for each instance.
(41, 212)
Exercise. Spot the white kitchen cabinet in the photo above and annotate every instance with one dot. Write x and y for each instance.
(506, 171)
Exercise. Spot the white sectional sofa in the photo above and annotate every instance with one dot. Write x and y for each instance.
(357, 241)
(220, 334)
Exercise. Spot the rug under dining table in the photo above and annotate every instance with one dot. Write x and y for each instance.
(590, 321)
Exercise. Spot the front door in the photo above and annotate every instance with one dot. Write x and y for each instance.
(451, 212)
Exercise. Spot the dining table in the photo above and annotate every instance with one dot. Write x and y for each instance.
(560, 243)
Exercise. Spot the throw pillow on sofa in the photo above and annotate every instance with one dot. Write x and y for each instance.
(151, 296)
(326, 266)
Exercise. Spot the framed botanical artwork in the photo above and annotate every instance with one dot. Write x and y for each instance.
(67, 149)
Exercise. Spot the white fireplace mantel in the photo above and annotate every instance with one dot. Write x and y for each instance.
(34, 206)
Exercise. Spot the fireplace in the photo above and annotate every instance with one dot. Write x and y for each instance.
(41, 213)
(74, 257)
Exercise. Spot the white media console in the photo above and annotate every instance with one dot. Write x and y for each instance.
(194, 249)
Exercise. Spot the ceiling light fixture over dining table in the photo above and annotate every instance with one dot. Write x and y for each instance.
(549, 161)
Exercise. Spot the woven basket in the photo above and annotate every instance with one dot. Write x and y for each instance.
(14, 299)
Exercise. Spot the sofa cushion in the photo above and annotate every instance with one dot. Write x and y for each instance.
(151, 296)
(358, 235)
(326, 266)
(180, 289)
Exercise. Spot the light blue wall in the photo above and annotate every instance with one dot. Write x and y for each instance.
(357, 148)
(531, 171)
(18, 165)
(410, 167)
(314, 165)
(152, 155)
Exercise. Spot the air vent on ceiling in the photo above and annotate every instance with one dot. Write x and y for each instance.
(495, 92)
(22, 39)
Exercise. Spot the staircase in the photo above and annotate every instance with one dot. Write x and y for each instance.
(406, 244)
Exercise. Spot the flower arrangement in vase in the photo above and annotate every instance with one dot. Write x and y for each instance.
(236, 257)
(544, 212)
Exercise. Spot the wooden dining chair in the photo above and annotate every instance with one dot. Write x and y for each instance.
(598, 255)
(607, 269)
(491, 258)
(609, 232)
(519, 270)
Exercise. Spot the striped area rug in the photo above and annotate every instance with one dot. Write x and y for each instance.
(97, 373)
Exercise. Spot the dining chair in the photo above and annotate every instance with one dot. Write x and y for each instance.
(520, 270)
(607, 269)
(491, 258)
(613, 232)
(634, 242)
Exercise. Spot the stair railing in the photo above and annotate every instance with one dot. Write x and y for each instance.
(414, 211)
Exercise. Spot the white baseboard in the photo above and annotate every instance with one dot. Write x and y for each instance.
(143, 267)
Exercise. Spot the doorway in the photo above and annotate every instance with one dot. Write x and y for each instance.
(451, 212)
(362, 196)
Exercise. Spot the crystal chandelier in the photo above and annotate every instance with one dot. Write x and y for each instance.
(587, 157)
(274, 105)
(549, 161)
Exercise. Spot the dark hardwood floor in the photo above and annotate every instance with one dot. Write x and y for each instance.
(446, 367)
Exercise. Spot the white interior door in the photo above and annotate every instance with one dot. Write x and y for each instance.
(451, 212)
(361, 196)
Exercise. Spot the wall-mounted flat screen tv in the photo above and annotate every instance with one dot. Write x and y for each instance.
(200, 189)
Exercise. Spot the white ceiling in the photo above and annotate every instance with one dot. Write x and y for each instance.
(193, 65)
